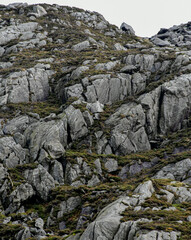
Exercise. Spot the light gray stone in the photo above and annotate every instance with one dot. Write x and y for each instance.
(22, 193)
(161, 43)
(78, 126)
(96, 107)
(41, 181)
(175, 171)
(69, 205)
(111, 165)
(145, 189)
(11, 154)
(39, 223)
(127, 28)
(38, 11)
(77, 72)
(81, 46)
(93, 181)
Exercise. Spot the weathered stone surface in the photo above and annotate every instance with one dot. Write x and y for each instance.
(145, 189)
(11, 154)
(175, 103)
(22, 193)
(127, 28)
(39, 223)
(93, 181)
(128, 134)
(13, 32)
(81, 46)
(73, 91)
(151, 102)
(77, 124)
(179, 171)
(144, 61)
(18, 124)
(161, 43)
(111, 165)
(152, 235)
(109, 90)
(119, 47)
(69, 205)
(50, 136)
(107, 224)
(24, 86)
(76, 74)
(41, 181)
(106, 66)
(38, 11)
(96, 107)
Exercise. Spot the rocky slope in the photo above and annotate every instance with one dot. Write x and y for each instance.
(95, 133)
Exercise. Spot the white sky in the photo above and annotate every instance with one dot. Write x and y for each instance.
(145, 16)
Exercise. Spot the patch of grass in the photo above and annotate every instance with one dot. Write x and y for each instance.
(9, 230)
(42, 108)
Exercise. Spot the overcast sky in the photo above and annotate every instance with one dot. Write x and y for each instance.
(145, 16)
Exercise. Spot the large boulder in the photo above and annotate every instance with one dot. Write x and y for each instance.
(27, 85)
(128, 129)
(76, 122)
(48, 136)
(41, 181)
(12, 154)
(13, 32)
(127, 28)
(180, 171)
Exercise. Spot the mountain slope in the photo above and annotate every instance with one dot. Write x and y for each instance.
(95, 127)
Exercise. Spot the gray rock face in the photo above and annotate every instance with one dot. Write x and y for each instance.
(93, 181)
(128, 133)
(41, 181)
(145, 189)
(111, 165)
(50, 136)
(73, 91)
(13, 32)
(38, 11)
(119, 47)
(150, 102)
(109, 90)
(135, 168)
(18, 124)
(176, 35)
(81, 46)
(183, 193)
(154, 235)
(19, 195)
(106, 66)
(172, 100)
(176, 103)
(28, 85)
(5, 184)
(161, 43)
(77, 124)
(180, 171)
(79, 170)
(145, 61)
(4, 65)
(127, 28)
(107, 224)
(11, 154)
(77, 72)
(39, 223)
(68, 206)
(114, 112)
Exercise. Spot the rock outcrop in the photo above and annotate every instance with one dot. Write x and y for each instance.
(95, 127)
